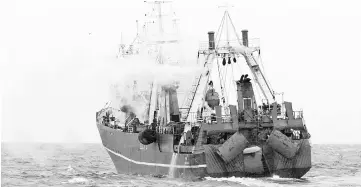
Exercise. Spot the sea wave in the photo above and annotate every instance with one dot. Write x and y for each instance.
(90, 165)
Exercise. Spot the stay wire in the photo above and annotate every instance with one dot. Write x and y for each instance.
(224, 83)
(233, 80)
(218, 41)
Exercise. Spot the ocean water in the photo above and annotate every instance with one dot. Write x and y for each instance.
(90, 165)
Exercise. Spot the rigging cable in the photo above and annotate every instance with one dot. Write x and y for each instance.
(264, 72)
(233, 80)
(224, 83)
(220, 28)
(257, 91)
(259, 84)
(220, 77)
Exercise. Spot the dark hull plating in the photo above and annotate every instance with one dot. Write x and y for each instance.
(131, 157)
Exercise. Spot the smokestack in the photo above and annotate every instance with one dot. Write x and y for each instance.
(211, 40)
(245, 37)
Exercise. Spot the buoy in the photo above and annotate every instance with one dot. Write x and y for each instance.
(232, 147)
(234, 59)
(212, 98)
(229, 60)
(224, 61)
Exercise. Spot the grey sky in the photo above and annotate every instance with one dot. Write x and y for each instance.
(52, 53)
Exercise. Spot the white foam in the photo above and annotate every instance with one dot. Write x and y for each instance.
(78, 180)
(244, 181)
(69, 169)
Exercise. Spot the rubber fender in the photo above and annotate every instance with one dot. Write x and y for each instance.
(282, 144)
(232, 147)
(147, 136)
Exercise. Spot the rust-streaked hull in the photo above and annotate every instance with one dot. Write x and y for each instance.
(130, 157)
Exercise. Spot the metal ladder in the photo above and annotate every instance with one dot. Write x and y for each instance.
(189, 100)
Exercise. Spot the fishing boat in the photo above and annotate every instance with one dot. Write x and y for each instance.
(209, 134)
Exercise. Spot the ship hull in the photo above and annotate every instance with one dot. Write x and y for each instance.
(129, 156)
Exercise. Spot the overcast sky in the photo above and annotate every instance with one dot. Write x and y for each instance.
(51, 53)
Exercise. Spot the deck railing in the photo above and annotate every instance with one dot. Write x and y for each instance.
(207, 118)
(194, 117)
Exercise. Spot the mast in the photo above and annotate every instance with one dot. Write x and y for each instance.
(160, 18)
(159, 14)
(259, 77)
(227, 49)
(247, 53)
(226, 7)
(162, 100)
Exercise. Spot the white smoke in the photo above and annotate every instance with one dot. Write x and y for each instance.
(118, 75)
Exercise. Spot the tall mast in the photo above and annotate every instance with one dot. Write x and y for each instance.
(160, 18)
(229, 49)
(154, 100)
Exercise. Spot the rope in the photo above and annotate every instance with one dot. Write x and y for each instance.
(234, 28)
(219, 37)
(264, 72)
(220, 26)
(233, 83)
(224, 83)
(186, 96)
(220, 77)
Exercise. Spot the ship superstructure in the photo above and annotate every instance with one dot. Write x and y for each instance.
(209, 134)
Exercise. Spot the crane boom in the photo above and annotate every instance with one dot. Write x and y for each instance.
(259, 77)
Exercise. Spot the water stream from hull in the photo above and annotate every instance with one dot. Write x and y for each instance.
(171, 172)
(173, 162)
